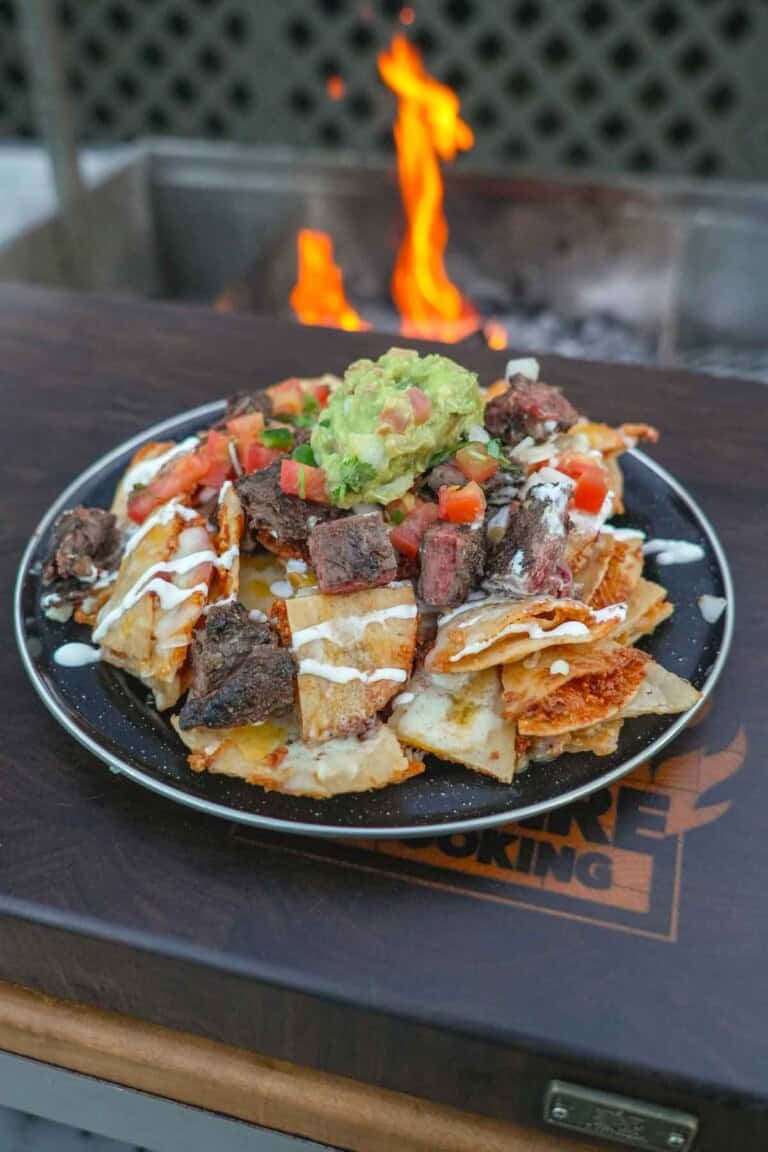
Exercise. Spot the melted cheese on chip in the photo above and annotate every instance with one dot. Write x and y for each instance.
(587, 700)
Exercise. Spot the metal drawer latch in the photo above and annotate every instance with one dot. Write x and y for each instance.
(630, 1122)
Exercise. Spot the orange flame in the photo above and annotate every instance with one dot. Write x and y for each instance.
(428, 128)
(318, 295)
(335, 87)
(495, 335)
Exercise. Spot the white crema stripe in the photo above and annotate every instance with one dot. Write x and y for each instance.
(339, 674)
(673, 551)
(146, 470)
(350, 628)
(169, 595)
(164, 515)
(533, 630)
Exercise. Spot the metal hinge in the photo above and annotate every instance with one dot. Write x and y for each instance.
(632, 1122)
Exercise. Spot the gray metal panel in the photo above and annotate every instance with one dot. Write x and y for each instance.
(675, 86)
(137, 1118)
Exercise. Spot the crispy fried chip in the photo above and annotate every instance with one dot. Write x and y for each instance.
(591, 566)
(226, 579)
(142, 637)
(624, 569)
(270, 755)
(616, 478)
(660, 693)
(527, 681)
(345, 646)
(587, 700)
(459, 718)
(494, 632)
(599, 739)
(646, 608)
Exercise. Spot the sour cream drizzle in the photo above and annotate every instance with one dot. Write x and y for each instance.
(339, 674)
(146, 470)
(164, 515)
(623, 533)
(712, 607)
(347, 629)
(673, 551)
(168, 594)
(531, 629)
(76, 655)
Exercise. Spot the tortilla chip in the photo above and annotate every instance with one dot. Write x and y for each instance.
(616, 478)
(270, 755)
(146, 452)
(599, 739)
(591, 566)
(226, 579)
(587, 700)
(459, 718)
(623, 571)
(528, 681)
(361, 633)
(646, 608)
(145, 640)
(492, 632)
(661, 693)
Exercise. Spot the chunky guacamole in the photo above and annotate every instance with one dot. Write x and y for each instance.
(388, 419)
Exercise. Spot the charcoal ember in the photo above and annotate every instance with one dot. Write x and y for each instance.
(529, 408)
(85, 543)
(240, 674)
(529, 560)
(353, 553)
(451, 558)
(273, 517)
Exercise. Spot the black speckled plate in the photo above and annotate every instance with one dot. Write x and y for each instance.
(108, 712)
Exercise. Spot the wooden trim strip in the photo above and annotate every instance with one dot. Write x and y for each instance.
(273, 1093)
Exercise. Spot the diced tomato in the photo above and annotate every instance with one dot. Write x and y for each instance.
(421, 404)
(476, 462)
(180, 479)
(591, 480)
(461, 505)
(215, 453)
(287, 397)
(297, 479)
(406, 537)
(393, 420)
(246, 428)
(320, 391)
(255, 456)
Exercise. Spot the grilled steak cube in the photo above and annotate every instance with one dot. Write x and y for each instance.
(351, 554)
(529, 408)
(444, 475)
(529, 559)
(85, 542)
(274, 517)
(451, 558)
(240, 674)
(245, 403)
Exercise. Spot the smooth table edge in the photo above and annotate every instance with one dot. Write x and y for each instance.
(234, 1082)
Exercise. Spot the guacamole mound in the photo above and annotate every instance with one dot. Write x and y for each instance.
(369, 441)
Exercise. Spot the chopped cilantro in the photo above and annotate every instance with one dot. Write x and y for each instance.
(441, 457)
(495, 449)
(353, 475)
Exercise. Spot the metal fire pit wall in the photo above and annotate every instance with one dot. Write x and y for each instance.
(678, 266)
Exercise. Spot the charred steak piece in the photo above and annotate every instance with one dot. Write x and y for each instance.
(529, 408)
(444, 475)
(240, 674)
(244, 403)
(85, 542)
(270, 513)
(351, 554)
(451, 557)
(529, 558)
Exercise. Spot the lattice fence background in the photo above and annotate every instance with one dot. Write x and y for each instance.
(670, 86)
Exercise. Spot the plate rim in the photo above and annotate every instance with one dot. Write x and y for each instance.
(325, 831)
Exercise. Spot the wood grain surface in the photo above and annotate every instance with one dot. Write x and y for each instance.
(119, 899)
(273, 1093)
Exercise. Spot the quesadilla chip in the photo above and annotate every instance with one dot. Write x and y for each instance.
(146, 624)
(271, 755)
(591, 566)
(494, 632)
(599, 739)
(226, 579)
(527, 681)
(459, 718)
(587, 700)
(621, 575)
(661, 693)
(616, 479)
(646, 608)
(354, 652)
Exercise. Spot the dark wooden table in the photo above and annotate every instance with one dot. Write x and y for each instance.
(432, 969)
